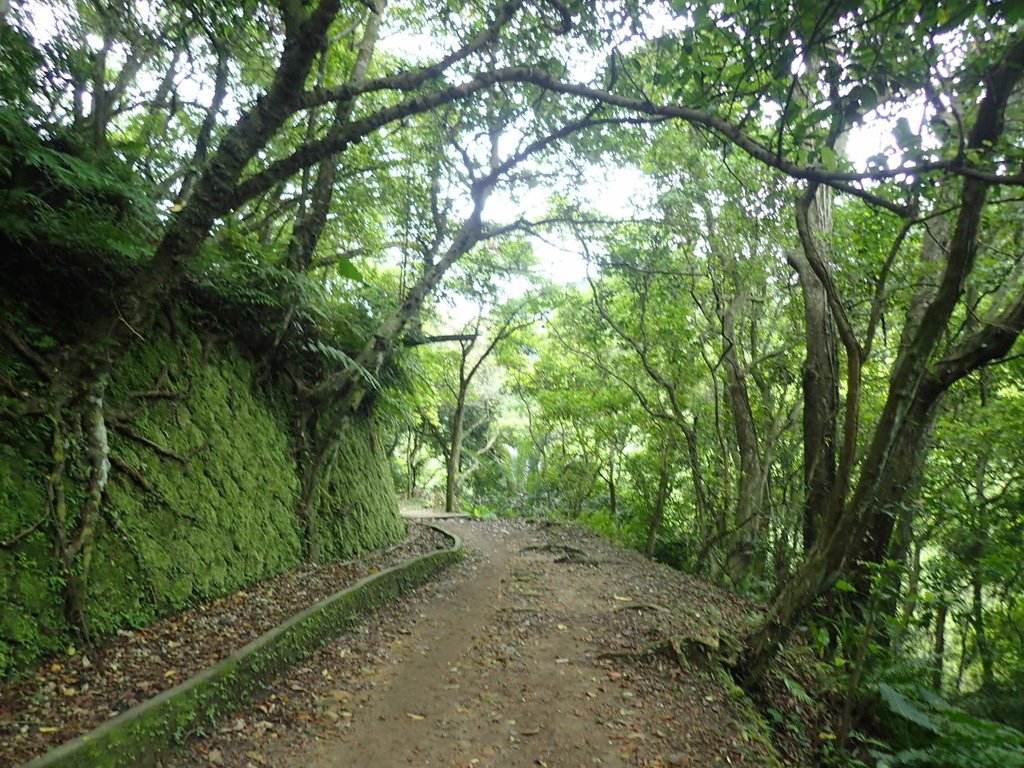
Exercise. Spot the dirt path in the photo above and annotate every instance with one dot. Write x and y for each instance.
(499, 664)
(492, 674)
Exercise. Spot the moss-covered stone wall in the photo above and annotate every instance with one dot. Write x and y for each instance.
(358, 486)
(201, 499)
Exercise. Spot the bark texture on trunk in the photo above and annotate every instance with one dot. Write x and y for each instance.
(820, 378)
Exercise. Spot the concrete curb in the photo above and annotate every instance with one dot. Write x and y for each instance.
(138, 736)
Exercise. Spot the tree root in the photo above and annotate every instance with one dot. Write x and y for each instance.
(553, 548)
(684, 650)
(133, 473)
(154, 446)
(34, 359)
(24, 534)
(642, 607)
(670, 646)
(154, 394)
(118, 526)
(566, 554)
(579, 560)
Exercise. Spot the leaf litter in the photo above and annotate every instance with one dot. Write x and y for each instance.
(71, 694)
(527, 684)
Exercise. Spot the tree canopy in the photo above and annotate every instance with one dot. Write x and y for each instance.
(792, 368)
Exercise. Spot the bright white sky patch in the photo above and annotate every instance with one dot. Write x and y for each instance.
(875, 135)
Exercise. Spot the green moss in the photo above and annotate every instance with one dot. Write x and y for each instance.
(213, 511)
(358, 508)
(29, 619)
(212, 523)
(216, 516)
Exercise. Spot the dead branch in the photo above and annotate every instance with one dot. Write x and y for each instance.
(133, 473)
(22, 535)
(30, 355)
(143, 440)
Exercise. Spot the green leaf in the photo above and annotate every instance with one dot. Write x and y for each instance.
(900, 705)
(865, 96)
(903, 133)
(349, 270)
(845, 586)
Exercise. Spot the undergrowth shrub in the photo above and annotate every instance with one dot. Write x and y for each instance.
(927, 731)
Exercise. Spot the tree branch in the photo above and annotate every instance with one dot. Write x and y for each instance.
(34, 358)
(416, 341)
(142, 439)
(22, 535)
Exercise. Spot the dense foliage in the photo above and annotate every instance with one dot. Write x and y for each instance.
(792, 365)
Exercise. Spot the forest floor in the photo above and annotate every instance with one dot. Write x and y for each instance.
(547, 646)
(543, 648)
(72, 693)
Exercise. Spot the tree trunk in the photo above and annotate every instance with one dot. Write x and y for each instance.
(750, 482)
(977, 549)
(910, 602)
(939, 646)
(894, 507)
(455, 451)
(914, 390)
(892, 499)
(706, 517)
(981, 641)
(309, 499)
(411, 469)
(820, 381)
(202, 148)
(612, 500)
(661, 499)
(215, 188)
(823, 564)
(311, 220)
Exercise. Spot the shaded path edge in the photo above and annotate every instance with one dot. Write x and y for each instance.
(138, 736)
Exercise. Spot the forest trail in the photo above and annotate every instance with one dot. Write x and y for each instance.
(498, 664)
(483, 676)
